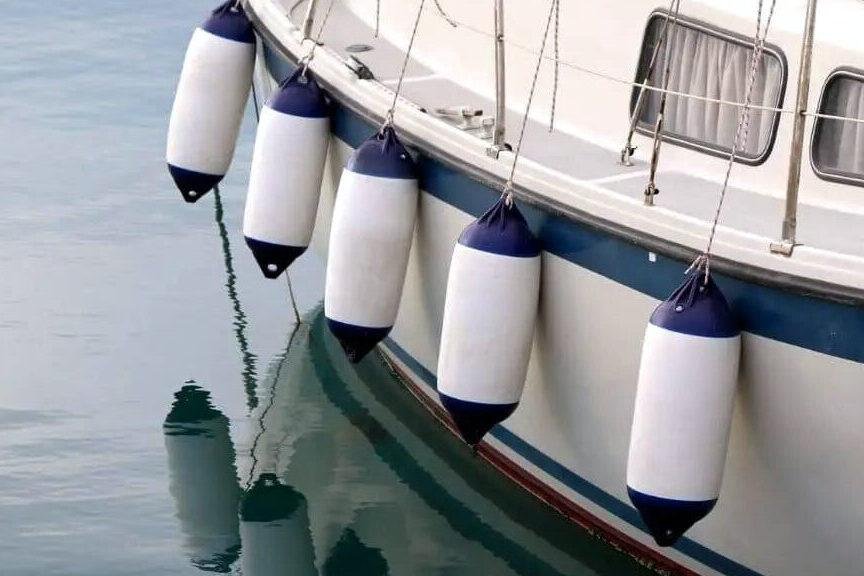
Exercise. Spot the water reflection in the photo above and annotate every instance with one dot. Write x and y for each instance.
(203, 479)
(348, 475)
(274, 526)
(249, 373)
(352, 556)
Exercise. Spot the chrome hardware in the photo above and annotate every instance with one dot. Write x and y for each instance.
(793, 183)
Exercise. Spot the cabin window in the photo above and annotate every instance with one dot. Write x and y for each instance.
(710, 63)
(837, 151)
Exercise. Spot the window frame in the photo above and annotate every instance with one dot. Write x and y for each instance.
(729, 36)
(831, 176)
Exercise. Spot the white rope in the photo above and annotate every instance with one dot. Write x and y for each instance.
(741, 132)
(388, 120)
(444, 14)
(507, 193)
(377, 18)
(555, 37)
(317, 40)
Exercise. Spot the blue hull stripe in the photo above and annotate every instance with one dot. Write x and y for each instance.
(579, 484)
(816, 324)
(813, 323)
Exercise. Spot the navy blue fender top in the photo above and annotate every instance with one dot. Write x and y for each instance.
(383, 155)
(230, 22)
(697, 307)
(501, 230)
(300, 95)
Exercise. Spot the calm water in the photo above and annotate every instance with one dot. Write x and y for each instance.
(153, 384)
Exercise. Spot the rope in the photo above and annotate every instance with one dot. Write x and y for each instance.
(377, 18)
(741, 132)
(557, 65)
(388, 119)
(651, 189)
(317, 40)
(507, 193)
(293, 299)
(628, 149)
(444, 14)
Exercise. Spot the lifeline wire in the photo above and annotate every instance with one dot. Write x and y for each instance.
(742, 130)
(308, 58)
(508, 185)
(651, 190)
(388, 120)
(633, 84)
(644, 86)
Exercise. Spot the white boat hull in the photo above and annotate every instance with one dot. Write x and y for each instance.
(787, 504)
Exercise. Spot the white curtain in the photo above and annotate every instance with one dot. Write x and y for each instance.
(840, 145)
(709, 66)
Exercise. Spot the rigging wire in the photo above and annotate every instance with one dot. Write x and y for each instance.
(703, 261)
(507, 193)
(388, 119)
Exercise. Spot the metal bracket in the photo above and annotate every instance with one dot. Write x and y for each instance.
(626, 155)
(783, 247)
(360, 69)
(650, 191)
(495, 150)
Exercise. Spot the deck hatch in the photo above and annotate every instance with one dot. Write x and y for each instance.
(712, 63)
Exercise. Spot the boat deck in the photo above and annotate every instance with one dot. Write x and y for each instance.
(744, 210)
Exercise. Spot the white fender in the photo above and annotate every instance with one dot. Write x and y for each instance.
(489, 317)
(287, 169)
(210, 101)
(683, 414)
(274, 528)
(370, 241)
(203, 479)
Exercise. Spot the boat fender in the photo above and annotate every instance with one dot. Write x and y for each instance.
(210, 101)
(287, 169)
(370, 241)
(684, 400)
(490, 311)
